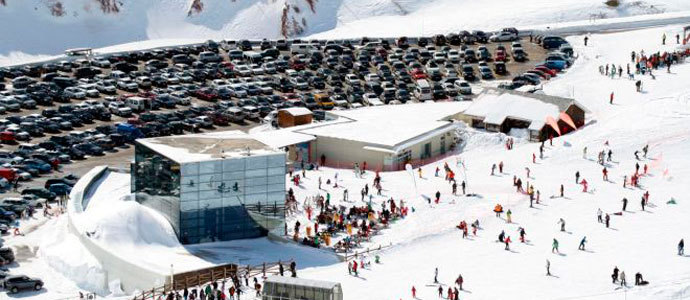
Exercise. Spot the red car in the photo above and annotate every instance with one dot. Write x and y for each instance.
(500, 55)
(418, 74)
(7, 137)
(546, 70)
(206, 94)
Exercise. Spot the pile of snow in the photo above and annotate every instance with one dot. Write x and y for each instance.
(65, 253)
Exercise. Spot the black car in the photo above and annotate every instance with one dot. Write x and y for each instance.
(90, 149)
(480, 36)
(20, 282)
(438, 92)
(6, 255)
(40, 192)
(468, 73)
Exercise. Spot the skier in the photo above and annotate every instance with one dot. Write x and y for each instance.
(554, 246)
(548, 268)
(534, 158)
(644, 150)
(582, 244)
(611, 98)
(561, 190)
(614, 276)
(522, 234)
(584, 153)
(507, 241)
(625, 203)
(606, 174)
(438, 196)
(622, 277)
(500, 167)
(436, 275)
(440, 291)
(508, 216)
(681, 246)
(493, 168)
(642, 203)
(663, 39)
(455, 188)
(414, 292)
(610, 155)
(586, 40)
(577, 177)
(599, 218)
(501, 236)
(562, 222)
(608, 219)
(584, 185)
(459, 281)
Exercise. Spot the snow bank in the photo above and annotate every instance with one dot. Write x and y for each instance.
(65, 253)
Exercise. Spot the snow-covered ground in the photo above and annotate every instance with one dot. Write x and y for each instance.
(638, 241)
(41, 27)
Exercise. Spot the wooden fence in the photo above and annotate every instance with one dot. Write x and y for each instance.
(213, 274)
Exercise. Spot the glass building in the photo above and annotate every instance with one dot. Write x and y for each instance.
(211, 187)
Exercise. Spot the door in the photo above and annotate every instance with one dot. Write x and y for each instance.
(426, 151)
(443, 145)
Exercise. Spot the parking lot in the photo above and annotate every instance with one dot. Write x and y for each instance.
(189, 85)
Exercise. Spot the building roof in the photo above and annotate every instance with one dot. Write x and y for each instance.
(207, 146)
(388, 126)
(297, 111)
(302, 282)
(282, 137)
(494, 106)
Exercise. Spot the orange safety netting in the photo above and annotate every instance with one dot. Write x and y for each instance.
(552, 122)
(566, 118)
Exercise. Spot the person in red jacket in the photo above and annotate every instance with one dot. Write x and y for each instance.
(414, 292)
(507, 242)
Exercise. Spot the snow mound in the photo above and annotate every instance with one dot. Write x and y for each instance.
(64, 252)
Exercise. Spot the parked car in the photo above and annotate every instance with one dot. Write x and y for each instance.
(20, 282)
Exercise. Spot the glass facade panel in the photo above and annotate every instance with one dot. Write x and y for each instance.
(222, 199)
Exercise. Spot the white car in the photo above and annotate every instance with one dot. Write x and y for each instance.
(182, 98)
(257, 69)
(352, 79)
(101, 63)
(120, 109)
(204, 121)
(463, 87)
(503, 36)
(75, 92)
(265, 88)
(370, 99)
(105, 88)
(454, 56)
(243, 70)
(126, 84)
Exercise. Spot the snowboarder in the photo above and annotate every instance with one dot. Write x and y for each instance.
(638, 279)
(562, 222)
(582, 244)
(625, 203)
(554, 246)
(548, 268)
(681, 247)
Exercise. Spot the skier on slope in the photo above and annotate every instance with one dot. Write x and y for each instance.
(582, 244)
(507, 241)
(577, 177)
(562, 222)
(681, 247)
(522, 234)
(554, 246)
(614, 276)
(459, 281)
(625, 203)
(501, 236)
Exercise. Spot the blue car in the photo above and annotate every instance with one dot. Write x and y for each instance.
(7, 215)
(60, 189)
(38, 165)
(554, 63)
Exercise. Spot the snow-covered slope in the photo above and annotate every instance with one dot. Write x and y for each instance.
(51, 26)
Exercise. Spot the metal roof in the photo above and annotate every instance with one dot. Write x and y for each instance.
(302, 282)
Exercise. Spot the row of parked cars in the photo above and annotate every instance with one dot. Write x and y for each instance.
(559, 57)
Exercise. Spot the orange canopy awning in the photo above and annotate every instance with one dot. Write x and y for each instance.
(566, 118)
(552, 122)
